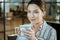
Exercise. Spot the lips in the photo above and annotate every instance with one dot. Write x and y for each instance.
(32, 19)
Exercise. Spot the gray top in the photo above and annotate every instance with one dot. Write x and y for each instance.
(46, 32)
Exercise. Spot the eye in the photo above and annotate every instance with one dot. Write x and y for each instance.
(36, 12)
(28, 11)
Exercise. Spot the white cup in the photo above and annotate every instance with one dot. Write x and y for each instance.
(22, 28)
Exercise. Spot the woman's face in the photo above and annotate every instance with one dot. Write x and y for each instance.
(34, 14)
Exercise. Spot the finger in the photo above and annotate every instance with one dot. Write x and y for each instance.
(33, 28)
(27, 32)
(29, 29)
(27, 35)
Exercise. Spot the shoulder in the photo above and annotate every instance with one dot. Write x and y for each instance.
(52, 33)
(47, 27)
(49, 32)
(51, 28)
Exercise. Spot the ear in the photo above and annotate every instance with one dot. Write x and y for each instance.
(27, 15)
(44, 13)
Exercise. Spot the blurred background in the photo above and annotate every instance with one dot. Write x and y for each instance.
(13, 14)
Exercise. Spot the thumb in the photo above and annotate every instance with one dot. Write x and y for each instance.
(32, 27)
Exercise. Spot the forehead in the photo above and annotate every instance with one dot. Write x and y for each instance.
(33, 7)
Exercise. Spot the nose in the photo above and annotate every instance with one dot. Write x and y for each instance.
(32, 15)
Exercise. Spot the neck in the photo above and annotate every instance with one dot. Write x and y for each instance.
(37, 25)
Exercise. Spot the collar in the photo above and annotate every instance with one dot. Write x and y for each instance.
(43, 25)
(42, 28)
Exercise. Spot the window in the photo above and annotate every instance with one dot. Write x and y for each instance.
(13, 14)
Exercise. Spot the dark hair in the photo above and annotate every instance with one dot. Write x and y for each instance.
(40, 3)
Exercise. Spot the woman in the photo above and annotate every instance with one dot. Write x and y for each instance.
(40, 30)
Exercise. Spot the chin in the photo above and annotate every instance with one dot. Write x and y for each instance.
(34, 22)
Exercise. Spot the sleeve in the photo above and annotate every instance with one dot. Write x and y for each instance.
(53, 36)
(40, 39)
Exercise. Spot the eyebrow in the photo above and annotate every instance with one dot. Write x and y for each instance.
(34, 10)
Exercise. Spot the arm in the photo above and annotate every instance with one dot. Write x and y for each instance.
(51, 36)
(40, 39)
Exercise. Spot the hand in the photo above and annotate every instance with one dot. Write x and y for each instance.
(30, 34)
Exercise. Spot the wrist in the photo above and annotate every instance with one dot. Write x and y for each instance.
(34, 38)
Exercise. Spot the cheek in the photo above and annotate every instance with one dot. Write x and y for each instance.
(28, 16)
(35, 15)
(40, 17)
(37, 18)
